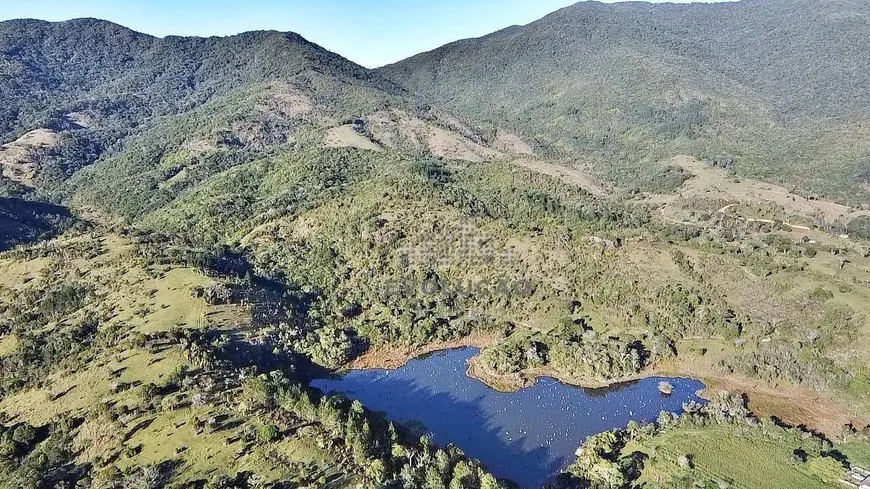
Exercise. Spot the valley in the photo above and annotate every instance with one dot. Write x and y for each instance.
(245, 261)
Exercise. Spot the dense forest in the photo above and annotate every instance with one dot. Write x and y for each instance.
(770, 89)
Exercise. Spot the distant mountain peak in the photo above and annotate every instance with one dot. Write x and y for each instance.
(625, 81)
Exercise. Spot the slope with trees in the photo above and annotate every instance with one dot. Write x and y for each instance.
(771, 89)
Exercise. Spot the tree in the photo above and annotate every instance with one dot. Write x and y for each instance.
(487, 481)
(434, 479)
(376, 471)
(463, 476)
(269, 433)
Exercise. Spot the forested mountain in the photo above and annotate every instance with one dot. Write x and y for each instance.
(49, 69)
(75, 90)
(771, 88)
(158, 116)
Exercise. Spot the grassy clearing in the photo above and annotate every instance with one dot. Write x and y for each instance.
(171, 433)
(8, 344)
(112, 392)
(720, 455)
(858, 453)
(71, 392)
(167, 302)
(17, 272)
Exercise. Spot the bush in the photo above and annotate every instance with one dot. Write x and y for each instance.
(269, 433)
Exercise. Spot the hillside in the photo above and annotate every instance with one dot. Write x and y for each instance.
(158, 116)
(768, 89)
(232, 217)
(53, 69)
(291, 262)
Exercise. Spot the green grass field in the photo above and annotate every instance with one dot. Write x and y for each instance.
(136, 301)
(719, 454)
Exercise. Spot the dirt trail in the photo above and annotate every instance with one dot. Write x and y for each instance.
(567, 174)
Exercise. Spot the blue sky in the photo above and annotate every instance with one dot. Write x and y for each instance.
(370, 32)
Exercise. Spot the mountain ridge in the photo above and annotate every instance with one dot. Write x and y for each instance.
(625, 91)
(75, 65)
(757, 86)
(158, 116)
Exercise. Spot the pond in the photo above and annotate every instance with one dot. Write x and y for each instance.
(525, 436)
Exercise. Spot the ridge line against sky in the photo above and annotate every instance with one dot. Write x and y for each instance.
(369, 32)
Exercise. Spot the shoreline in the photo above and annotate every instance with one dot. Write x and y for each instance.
(528, 378)
(794, 405)
(395, 357)
(387, 357)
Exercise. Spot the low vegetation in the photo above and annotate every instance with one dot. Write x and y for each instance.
(717, 445)
(226, 226)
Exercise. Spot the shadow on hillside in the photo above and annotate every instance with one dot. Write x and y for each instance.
(24, 221)
(464, 423)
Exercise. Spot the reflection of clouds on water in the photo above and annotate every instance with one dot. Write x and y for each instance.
(525, 436)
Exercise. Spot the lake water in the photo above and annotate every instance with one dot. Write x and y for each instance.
(525, 436)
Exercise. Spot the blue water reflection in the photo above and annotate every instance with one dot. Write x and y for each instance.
(524, 436)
